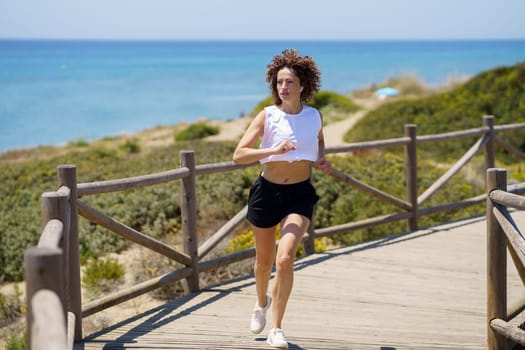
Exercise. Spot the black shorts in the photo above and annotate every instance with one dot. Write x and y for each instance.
(269, 203)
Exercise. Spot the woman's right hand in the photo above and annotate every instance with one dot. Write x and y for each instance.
(283, 147)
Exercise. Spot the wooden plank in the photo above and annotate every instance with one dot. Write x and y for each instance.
(421, 290)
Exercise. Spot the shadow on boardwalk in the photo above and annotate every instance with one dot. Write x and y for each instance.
(414, 290)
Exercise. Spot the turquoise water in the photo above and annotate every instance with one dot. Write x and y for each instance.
(55, 91)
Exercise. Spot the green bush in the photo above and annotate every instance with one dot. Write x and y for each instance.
(16, 341)
(101, 274)
(196, 131)
(130, 146)
(153, 210)
(78, 143)
(332, 99)
(245, 240)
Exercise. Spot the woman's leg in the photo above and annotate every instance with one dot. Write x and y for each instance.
(293, 228)
(264, 258)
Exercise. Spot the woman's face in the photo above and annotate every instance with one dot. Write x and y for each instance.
(288, 85)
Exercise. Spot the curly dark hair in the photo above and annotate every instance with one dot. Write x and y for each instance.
(303, 66)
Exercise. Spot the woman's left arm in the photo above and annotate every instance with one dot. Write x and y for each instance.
(321, 163)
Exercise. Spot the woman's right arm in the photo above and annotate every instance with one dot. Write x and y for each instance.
(246, 153)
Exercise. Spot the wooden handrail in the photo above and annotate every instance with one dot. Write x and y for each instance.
(51, 235)
(206, 169)
(370, 190)
(507, 199)
(502, 233)
(134, 291)
(509, 127)
(224, 231)
(508, 147)
(48, 329)
(448, 136)
(131, 182)
(452, 171)
(515, 239)
(131, 234)
(508, 331)
(42, 269)
(356, 225)
(361, 146)
(62, 215)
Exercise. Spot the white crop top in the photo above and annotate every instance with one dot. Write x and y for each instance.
(300, 129)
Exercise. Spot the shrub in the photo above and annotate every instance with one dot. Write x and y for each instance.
(332, 99)
(245, 240)
(16, 341)
(196, 131)
(153, 210)
(101, 274)
(130, 146)
(78, 143)
(10, 307)
(242, 241)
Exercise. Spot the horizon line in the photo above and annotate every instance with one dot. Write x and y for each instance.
(262, 39)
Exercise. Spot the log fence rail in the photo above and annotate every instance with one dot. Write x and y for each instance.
(502, 234)
(53, 266)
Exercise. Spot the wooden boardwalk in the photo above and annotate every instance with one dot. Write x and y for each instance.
(421, 290)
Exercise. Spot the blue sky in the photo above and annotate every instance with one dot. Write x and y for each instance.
(269, 19)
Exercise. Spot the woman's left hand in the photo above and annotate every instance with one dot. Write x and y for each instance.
(323, 165)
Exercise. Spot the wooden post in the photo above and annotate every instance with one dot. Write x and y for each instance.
(309, 242)
(67, 176)
(489, 155)
(42, 270)
(49, 327)
(496, 263)
(53, 205)
(411, 174)
(189, 219)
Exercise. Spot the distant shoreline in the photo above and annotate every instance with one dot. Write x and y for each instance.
(64, 89)
(210, 40)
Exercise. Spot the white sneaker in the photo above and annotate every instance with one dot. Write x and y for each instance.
(258, 320)
(276, 338)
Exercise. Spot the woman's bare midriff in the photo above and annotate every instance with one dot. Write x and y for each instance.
(287, 172)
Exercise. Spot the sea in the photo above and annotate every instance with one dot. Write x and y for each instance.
(56, 91)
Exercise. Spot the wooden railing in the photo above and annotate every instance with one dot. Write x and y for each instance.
(46, 269)
(67, 209)
(502, 233)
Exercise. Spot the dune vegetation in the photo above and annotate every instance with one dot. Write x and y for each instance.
(155, 210)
